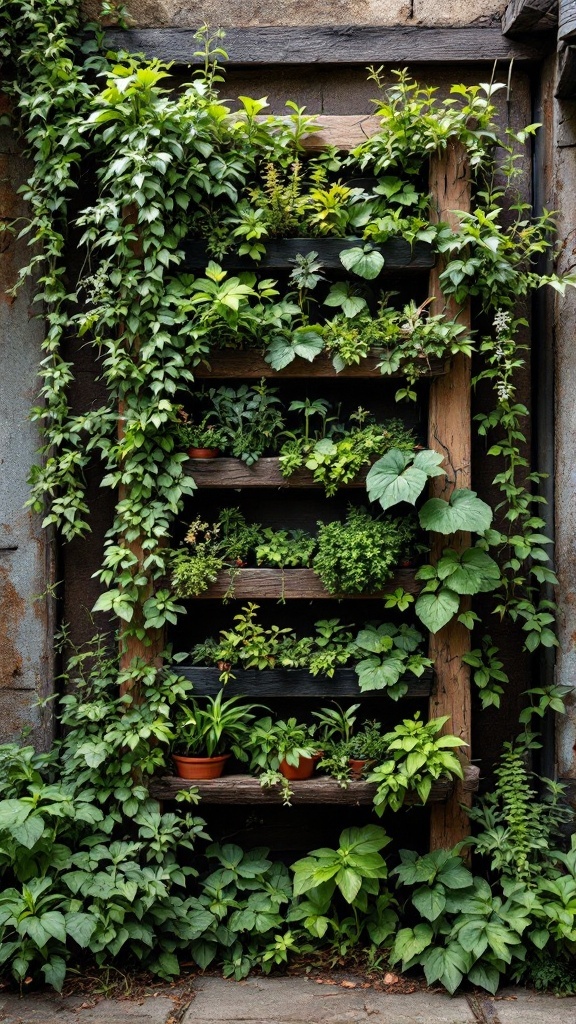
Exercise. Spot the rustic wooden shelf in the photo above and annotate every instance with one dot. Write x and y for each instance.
(268, 683)
(280, 253)
(292, 584)
(227, 474)
(246, 789)
(248, 364)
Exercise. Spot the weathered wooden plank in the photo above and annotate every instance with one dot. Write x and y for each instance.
(246, 789)
(449, 432)
(529, 15)
(226, 474)
(566, 21)
(353, 44)
(291, 584)
(566, 75)
(290, 682)
(248, 365)
(280, 253)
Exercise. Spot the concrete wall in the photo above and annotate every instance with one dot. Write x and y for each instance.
(239, 13)
(26, 623)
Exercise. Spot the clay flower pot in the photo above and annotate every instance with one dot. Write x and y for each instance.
(358, 767)
(203, 453)
(199, 767)
(303, 770)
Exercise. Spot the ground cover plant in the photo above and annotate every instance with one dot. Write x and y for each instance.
(91, 866)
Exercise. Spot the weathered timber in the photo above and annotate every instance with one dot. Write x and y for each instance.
(246, 789)
(269, 683)
(292, 584)
(566, 21)
(345, 44)
(281, 252)
(566, 74)
(450, 434)
(529, 15)
(226, 474)
(248, 365)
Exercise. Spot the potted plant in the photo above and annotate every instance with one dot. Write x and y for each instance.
(285, 747)
(206, 736)
(203, 440)
(348, 758)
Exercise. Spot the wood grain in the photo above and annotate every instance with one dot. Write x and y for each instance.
(529, 15)
(291, 682)
(346, 44)
(281, 252)
(245, 789)
(566, 75)
(567, 21)
(226, 474)
(248, 365)
(291, 584)
(450, 434)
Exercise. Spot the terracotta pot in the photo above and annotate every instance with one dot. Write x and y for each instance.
(203, 453)
(357, 767)
(199, 767)
(303, 770)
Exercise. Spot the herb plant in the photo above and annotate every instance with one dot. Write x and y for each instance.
(359, 555)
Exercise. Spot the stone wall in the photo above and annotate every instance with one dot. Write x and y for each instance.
(246, 13)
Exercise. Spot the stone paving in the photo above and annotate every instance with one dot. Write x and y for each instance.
(287, 1001)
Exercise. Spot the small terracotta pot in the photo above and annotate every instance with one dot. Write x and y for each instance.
(358, 767)
(203, 453)
(303, 770)
(199, 767)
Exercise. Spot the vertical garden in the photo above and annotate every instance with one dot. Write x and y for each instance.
(297, 563)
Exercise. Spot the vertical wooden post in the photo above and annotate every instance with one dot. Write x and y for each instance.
(449, 432)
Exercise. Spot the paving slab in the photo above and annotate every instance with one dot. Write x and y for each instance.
(519, 1006)
(299, 1001)
(53, 1009)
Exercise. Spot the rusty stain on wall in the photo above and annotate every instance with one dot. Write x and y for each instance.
(11, 612)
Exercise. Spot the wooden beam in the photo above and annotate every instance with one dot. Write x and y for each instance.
(347, 44)
(450, 434)
(566, 74)
(291, 584)
(249, 364)
(264, 684)
(280, 253)
(227, 474)
(566, 21)
(246, 789)
(529, 15)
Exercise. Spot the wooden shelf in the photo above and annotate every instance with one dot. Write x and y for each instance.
(227, 474)
(246, 789)
(248, 364)
(292, 584)
(268, 683)
(398, 254)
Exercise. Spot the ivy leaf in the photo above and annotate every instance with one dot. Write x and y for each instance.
(410, 942)
(469, 572)
(463, 511)
(341, 294)
(399, 476)
(436, 610)
(366, 262)
(305, 343)
(376, 675)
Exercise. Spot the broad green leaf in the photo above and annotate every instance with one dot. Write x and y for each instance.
(80, 927)
(349, 883)
(392, 479)
(13, 813)
(203, 952)
(463, 511)
(446, 965)
(376, 675)
(429, 902)
(410, 942)
(469, 572)
(435, 610)
(485, 975)
(366, 262)
(29, 832)
(55, 972)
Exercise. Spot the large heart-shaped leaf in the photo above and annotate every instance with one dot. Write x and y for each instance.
(463, 511)
(435, 610)
(305, 342)
(401, 476)
(469, 572)
(366, 262)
